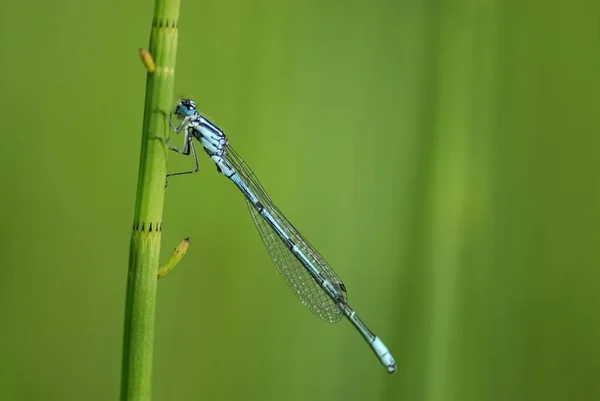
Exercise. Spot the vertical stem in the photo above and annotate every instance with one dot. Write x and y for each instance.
(136, 380)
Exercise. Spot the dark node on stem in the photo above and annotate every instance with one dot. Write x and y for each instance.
(152, 227)
(160, 23)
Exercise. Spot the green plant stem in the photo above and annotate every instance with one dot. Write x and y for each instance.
(138, 341)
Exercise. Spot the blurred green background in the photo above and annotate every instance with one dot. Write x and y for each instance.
(442, 155)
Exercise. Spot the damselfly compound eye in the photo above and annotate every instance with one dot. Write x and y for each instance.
(189, 104)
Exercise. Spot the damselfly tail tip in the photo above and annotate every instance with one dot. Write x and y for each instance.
(387, 360)
(391, 369)
(187, 239)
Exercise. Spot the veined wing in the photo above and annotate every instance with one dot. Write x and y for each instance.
(308, 291)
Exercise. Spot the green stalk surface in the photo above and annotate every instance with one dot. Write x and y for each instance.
(138, 342)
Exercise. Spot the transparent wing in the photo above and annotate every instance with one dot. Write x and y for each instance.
(308, 291)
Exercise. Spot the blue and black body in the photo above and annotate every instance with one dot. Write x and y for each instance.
(305, 271)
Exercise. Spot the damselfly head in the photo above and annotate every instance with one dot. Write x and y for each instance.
(185, 108)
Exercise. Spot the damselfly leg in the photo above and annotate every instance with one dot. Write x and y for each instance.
(188, 144)
(185, 150)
